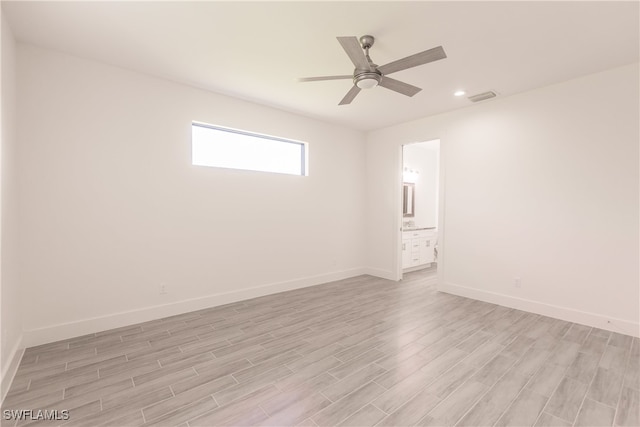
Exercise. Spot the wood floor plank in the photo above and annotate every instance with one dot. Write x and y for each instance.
(369, 415)
(297, 412)
(76, 407)
(628, 413)
(518, 347)
(566, 400)
(547, 378)
(275, 404)
(307, 423)
(353, 382)
(308, 373)
(190, 410)
(340, 410)
(310, 358)
(531, 361)
(481, 355)
(412, 411)
(493, 370)
(547, 420)
(222, 366)
(524, 410)
(605, 387)
(248, 374)
(584, 367)
(594, 344)
(103, 387)
(577, 333)
(184, 369)
(231, 393)
(134, 398)
(404, 369)
(347, 368)
(248, 416)
(632, 374)
(28, 400)
(357, 349)
(613, 358)
(161, 408)
(453, 408)
(130, 368)
(394, 357)
(564, 353)
(448, 382)
(474, 341)
(399, 394)
(593, 413)
(491, 406)
(194, 382)
(620, 341)
(110, 417)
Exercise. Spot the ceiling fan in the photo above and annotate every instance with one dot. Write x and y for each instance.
(368, 75)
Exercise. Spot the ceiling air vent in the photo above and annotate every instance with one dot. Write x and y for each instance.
(482, 96)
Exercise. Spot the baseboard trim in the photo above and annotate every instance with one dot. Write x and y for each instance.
(10, 369)
(563, 313)
(417, 268)
(88, 326)
(383, 274)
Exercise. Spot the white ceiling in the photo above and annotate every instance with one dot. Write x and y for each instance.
(257, 50)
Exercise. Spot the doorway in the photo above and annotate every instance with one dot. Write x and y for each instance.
(420, 207)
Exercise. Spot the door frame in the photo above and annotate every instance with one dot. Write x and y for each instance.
(441, 210)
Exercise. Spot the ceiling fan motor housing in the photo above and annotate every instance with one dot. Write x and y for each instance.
(367, 79)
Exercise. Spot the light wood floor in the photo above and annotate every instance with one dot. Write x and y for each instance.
(362, 351)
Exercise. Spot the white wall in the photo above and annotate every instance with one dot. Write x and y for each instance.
(423, 157)
(542, 185)
(10, 309)
(111, 206)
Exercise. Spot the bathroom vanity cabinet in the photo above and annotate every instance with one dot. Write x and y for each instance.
(418, 248)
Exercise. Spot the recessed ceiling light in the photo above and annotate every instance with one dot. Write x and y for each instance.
(459, 93)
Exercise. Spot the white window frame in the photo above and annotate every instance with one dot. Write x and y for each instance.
(304, 165)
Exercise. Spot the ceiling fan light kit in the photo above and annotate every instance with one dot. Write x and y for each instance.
(368, 75)
(367, 80)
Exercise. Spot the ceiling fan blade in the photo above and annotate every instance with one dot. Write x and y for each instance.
(317, 79)
(414, 60)
(350, 95)
(398, 86)
(351, 45)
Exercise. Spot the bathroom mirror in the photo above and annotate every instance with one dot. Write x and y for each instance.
(408, 199)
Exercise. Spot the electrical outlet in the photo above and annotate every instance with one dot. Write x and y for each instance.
(517, 282)
(162, 289)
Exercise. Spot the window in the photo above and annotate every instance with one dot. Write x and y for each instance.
(235, 149)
